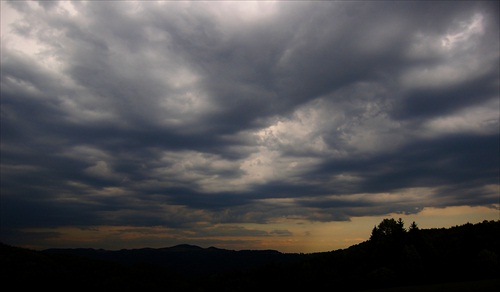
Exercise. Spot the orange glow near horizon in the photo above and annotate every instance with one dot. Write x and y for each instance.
(303, 237)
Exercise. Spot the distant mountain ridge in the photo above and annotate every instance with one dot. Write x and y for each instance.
(185, 258)
(183, 247)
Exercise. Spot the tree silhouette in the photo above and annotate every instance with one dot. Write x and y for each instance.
(413, 227)
(388, 228)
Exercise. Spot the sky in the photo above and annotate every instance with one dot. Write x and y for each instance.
(294, 126)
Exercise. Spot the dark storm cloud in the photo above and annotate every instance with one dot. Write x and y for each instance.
(449, 159)
(171, 114)
(428, 103)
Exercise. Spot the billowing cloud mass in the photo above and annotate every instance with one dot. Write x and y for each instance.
(195, 119)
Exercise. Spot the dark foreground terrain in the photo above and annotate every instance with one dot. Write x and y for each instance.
(461, 258)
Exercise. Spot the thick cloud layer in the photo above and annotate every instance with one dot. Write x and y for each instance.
(185, 115)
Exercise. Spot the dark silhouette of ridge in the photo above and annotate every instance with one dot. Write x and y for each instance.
(394, 256)
(185, 258)
(183, 247)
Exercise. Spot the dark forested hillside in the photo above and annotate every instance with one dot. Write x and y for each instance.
(187, 259)
(394, 256)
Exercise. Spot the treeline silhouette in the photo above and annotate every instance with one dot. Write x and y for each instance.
(394, 256)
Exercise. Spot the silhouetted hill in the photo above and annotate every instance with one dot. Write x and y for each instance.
(183, 248)
(413, 257)
(27, 269)
(392, 257)
(186, 259)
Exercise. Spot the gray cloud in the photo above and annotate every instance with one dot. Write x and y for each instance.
(171, 114)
